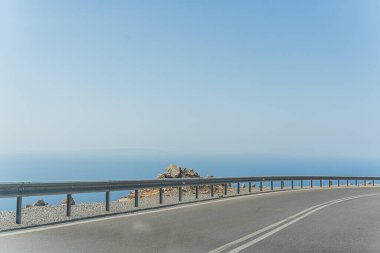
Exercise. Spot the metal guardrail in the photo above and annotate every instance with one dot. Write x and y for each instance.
(24, 189)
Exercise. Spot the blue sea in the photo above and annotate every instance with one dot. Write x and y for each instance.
(37, 168)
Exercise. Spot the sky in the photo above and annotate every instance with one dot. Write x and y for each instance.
(221, 77)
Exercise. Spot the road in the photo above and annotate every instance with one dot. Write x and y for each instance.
(319, 220)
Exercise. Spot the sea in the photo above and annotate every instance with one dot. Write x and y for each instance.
(99, 166)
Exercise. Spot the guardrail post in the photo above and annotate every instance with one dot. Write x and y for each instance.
(330, 183)
(225, 189)
(261, 186)
(320, 183)
(292, 184)
(136, 198)
(212, 190)
(18, 210)
(282, 184)
(311, 183)
(196, 192)
(365, 182)
(338, 182)
(301, 184)
(347, 182)
(373, 182)
(160, 195)
(271, 185)
(107, 201)
(238, 187)
(356, 182)
(250, 186)
(179, 193)
(68, 205)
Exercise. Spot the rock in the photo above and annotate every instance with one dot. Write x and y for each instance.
(39, 202)
(189, 173)
(142, 194)
(174, 171)
(64, 201)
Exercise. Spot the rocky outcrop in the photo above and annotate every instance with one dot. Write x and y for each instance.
(174, 171)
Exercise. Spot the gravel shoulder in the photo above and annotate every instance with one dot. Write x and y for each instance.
(46, 215)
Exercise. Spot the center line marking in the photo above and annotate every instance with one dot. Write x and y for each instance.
(292, 219)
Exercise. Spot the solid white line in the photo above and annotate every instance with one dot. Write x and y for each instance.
(260, 238)
(164, 209)
(228, 245)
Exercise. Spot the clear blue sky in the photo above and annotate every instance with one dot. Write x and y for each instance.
(278, 77)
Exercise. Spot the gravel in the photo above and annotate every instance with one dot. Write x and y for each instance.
(44, 215)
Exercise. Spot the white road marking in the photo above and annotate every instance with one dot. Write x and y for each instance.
(293, 219)
(73, 223)
(222, 248)
(164, 209)
(260, 238)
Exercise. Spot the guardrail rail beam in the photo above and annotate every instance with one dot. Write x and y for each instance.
(26, 189)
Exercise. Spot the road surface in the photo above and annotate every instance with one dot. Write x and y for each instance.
(319, 220)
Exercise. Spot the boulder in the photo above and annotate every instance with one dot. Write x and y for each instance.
(39, 202)
(64, 201)
(174, 171)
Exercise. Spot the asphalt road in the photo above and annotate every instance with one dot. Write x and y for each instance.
(337, 220)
